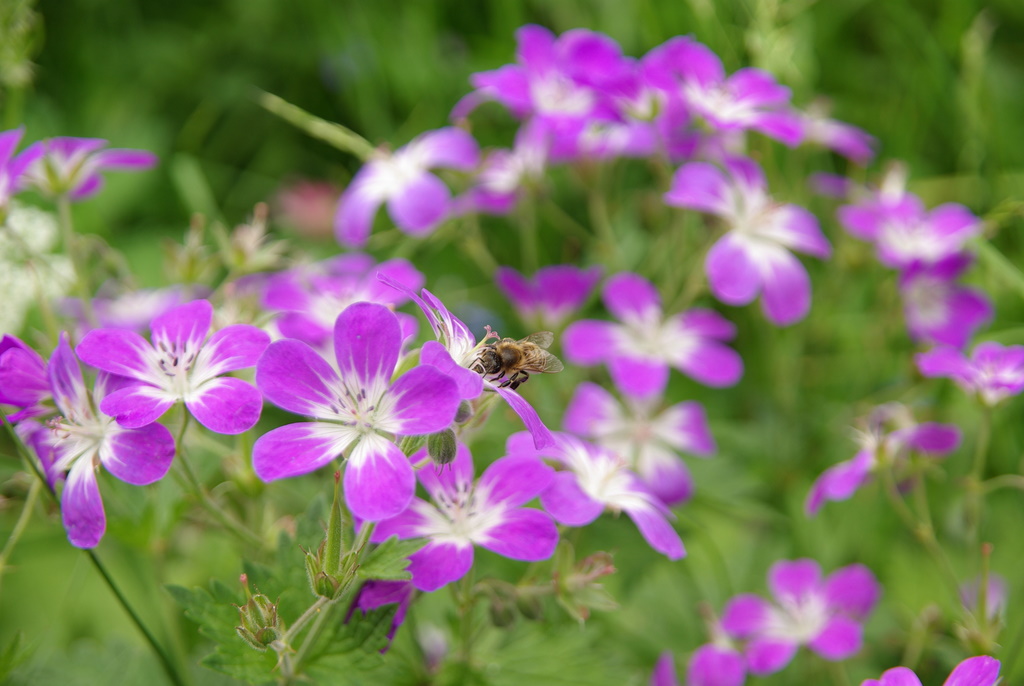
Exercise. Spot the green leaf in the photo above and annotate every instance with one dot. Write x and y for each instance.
(217, 616)
(12, 655)
(351, 650)
(389, 559)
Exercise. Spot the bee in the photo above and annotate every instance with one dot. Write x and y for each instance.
(511, 362)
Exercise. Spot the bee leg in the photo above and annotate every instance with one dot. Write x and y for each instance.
(519, 379)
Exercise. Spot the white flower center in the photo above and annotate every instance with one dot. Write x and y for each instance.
(557, 95)
(928, 301)
(798, 619)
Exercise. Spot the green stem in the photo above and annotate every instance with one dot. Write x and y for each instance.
(466, 602)
(67, 231)
(476, 247)
(839, 675)
(597, 208)
(528, 230)
(165, 661)
(336, 135)
(975, 489)
(923, 531)
(228, 522)
(1004, 481)
(19, 526)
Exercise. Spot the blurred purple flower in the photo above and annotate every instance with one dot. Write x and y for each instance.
(651, 443)
(308, 299)
(754, 255)
(417, 200)
(716, 665)
(904, 233)
(890, 432)
(849, 141)
(13, 167)
(358, 410)
(640, 349)
(486, 513)
(996, 592)
(974, 671)
(823, 614)
(995, 372)
(749, 99)
(82, 439)
(551, 295)
(23, 380)
(182, 364)
(664, 673)
(72, 166)
(505, 173)
(939, 310)
(595, 479)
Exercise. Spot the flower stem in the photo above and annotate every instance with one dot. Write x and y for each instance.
(528, 226)
(19, 526)
(224, 518)
(67, 231)
(922, 530)
(975, 488)
(342, 138)
(476, 247)
(173, 674)
(466, 601)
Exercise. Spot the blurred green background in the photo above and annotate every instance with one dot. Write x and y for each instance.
(939, 83)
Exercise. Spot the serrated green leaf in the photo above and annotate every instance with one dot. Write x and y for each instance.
(251, 666)
(389, 560)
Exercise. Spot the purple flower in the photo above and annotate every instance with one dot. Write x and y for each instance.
(595, 479)
(358, 411)
(309, 299)
(13, 167)
(939, 310)
(823, 614)
(995, 596)
(664, 673)
(463, 514)
(748, 99)
(82, 439)
(456, 351)
(904, 233)
(417, 200)
(754, 255)
(72, 166)
(995, 372)
(889, 434)
(716, 665)
(23, 379)
(556, 79)
(974, 671)
(640, 350)
(650, 442)
(181, 364)
(551, 296)
(505, 173)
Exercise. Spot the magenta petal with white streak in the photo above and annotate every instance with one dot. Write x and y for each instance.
(438, 564)
(588, 341)
(136, 406)
(732, 272)
(630, 297)
(139, 456)
(657, 531)
(841, 638)
(185, 325)
(638, 377)
(787, 289)
(523, 534)
(294, 377)
(296, 449)
(541, 435)
(379, 480)
(567, 503)
(81, 507)
(367, 342)
(426, 401)
(235, 347)
(116, 351)
(767, 656)
(515, 480)
(226, 405)
(470, 384)
(353, 220)
(423, 203)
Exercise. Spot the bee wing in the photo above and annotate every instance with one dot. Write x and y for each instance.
(542, 338)
(542, 361)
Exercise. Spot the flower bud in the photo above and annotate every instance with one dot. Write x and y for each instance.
(260, 626)
(464, 413)
(442, 447)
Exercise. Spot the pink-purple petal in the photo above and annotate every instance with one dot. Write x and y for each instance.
(379, 480)
(184, 325)
(116, 351)
(226, 405)
(852, 590)
(657, 531)
(125, 159)
(454, 478)
(438, 564)
(787, 289)
(235, 347)
(449, 147)
(542, 437)
(700, 186)
(515, 480)
(81, 506)
(66, 379)
(975, 671)
(839, 481)
(357, 207)
(293, 376)
(136, 406)
(426, 400)
(567, 503)
(588, 341)
(712, 665)
(794, 578)
(422, 204)
(934, 438)
(638, 377)
(745, 615)
(630, 297)
(713, 364)
(139, 456)
(767, 655)
(590, 408)
(523, 534)
(841, 638)
(367, 342)
(732, 272)
(897, 676)
(296, 449)
(665, 672)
